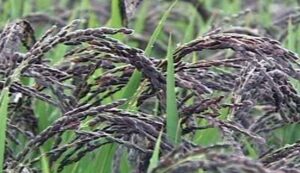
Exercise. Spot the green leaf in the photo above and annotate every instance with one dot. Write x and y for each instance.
(4, 100)
(155, 155)
(173, 128)
(44, 162)
(116, 18)
(105, 158)
(135, 80)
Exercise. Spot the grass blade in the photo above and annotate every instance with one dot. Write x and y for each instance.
(141, 18)
(155, 155)
(109, 150)
(4, 100)
(173, 129)
(158, 29)
(116, 18)
(135, 80)
(44, 162)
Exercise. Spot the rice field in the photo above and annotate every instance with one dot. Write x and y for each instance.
(149, 86)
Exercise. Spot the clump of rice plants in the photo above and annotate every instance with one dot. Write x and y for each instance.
(149, 86)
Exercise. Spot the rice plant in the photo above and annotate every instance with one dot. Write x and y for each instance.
(158, 86)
